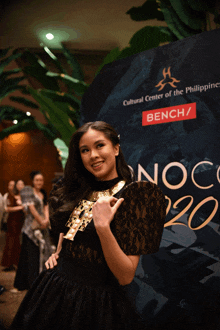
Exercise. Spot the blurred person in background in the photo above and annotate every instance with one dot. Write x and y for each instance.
(4, 214)
(19, 185)
(36, 243)
(14, 210)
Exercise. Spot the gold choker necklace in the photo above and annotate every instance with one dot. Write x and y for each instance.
(82, 213)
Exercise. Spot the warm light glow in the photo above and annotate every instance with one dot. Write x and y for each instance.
(17, 138)
(15, 121)
(49, 36)
(28, 113)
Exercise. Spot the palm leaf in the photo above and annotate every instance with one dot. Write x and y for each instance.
(5, 90)
(38, 70)
(4, 52)
(146, 38)
(10, 113)
(24, 101)
(55, 60)
(7, 73)
(78, 86)
(6, 61)
(77, 72)
(27, 125)
(62, 97)
(55, 115)
(61, 146)
(149, 10)
(111, 57)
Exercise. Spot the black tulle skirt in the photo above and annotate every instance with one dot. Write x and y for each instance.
(76, 298)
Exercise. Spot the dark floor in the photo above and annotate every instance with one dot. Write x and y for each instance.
(9, 302)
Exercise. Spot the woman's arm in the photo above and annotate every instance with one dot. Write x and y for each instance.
(52, 261)
(46, 212)
(13, 208)
(43, 222)
(122, 266)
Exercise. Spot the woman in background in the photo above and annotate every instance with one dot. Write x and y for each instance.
(19, 185)
(15, 220)
(35, 236)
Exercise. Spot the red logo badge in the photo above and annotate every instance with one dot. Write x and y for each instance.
(169, 114)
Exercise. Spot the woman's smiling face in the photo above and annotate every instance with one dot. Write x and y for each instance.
(99, 155)
(20, 185)
(38, 181)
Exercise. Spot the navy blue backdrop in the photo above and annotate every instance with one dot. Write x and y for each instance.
(165, 104)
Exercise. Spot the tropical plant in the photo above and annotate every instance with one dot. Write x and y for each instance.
(60, 94)
(184, 18)
(9, 82)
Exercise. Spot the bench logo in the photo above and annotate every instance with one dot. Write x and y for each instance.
(167, 80)
(169, 114)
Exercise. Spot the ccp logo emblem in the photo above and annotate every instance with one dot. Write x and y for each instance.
(168, 79)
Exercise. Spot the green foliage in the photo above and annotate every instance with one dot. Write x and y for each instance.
(11, 113)
(149, 10)
(9, 82)
(23, 100)
(56, 114)
(5, 61)
(191, 18)
(112, 56)
(8, 79)
(78, 87)
(38, 70)
(25, 123)
(183, 17)
(51, 98)
(201, 5)
(60, 109)
(177, 26)
(77, 72)
(146, 38)
(63, 150)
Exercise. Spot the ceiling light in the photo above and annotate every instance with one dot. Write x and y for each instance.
(49, 36)
(56, 36)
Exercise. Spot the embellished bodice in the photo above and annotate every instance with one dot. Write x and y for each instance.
(82, 214)
(137, 225)
(81, 241)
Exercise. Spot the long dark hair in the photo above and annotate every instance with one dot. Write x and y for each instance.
(16, 191)
(78, 182)
(34, 173)
(43, 191)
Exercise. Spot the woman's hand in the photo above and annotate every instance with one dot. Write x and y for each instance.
(18, 200)
(104, 210)
(44, 224)
(52, 261)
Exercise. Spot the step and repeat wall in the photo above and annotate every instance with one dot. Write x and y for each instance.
(165, 104)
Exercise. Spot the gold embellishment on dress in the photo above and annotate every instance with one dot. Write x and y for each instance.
(82, 214)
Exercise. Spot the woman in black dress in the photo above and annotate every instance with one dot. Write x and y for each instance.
(36, 243)
(105, 223)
